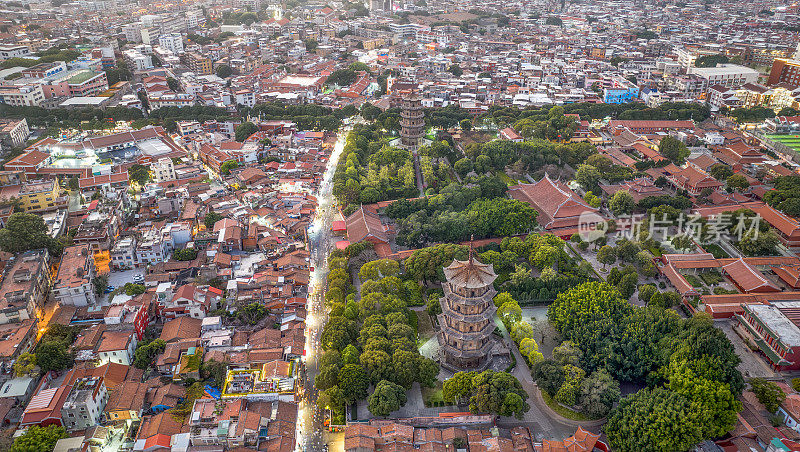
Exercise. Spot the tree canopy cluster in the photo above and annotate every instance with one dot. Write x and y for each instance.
(554, 127)
(459, 212)
(545, 253)
(531, 155)
(27, 231)
(752, 114)
(504, 116)
(306, 116)
(710, 60)
(689, 367)
(53, 353)
(786, 195)
(341, 77)
(370, 171)
(488, 392)
(371, 341)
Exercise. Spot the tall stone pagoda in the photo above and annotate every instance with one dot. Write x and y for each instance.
(466, 321)
(412, 119)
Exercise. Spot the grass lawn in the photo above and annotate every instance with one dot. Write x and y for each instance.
(791, 141)
(716, 251)
(711, 277)
(506, 178)
(562, 410)
(693, 280)
(425, 328)
(434, 396)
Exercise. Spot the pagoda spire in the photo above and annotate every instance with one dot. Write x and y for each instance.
(471, 248)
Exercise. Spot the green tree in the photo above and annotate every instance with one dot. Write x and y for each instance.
(139, 173)
(350, 355)
(606, 255)
(73, 183)
(459, 386)
(428, 372)
(768, 393)
(386, 398)
(211, 219)
(520, 331)
(328, 377)
(720, 171)
(673, 149)
(455, 70)
(510, 313)
(311, 44)
(39, 439)
(146, 353)
(100, 284)
(53, 355)
(530, 350)
(751, 244)
(185, 254)
(567, 353)
(173, 84)
(245, 130)
(354, 382)
(341, 78)
(495, 393)
(226, 167)
(252, 313)
(598, 394)
(23, 232)
(502, 298)
(465, 125)
(621, 203)
(737, 182)
(654, 420)
(215, 371)
(378, 365)
(406, 367)
(549, 376)
(223, 71)
(25, 365)
(588, 176)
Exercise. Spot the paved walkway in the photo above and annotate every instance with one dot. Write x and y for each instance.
(543, 422)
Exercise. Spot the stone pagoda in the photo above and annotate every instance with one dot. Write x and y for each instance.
(412, 119)
(466, 321)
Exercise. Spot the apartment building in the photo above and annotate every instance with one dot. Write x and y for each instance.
(727, 75)
(163, 170)
(785, 71)
(22, 96)
(39, 196)
(199, 64)
(123, 254)
(14, 51)
(84, 404)
(25, 285)
(13, 133)
(172, 42)
(74, 284)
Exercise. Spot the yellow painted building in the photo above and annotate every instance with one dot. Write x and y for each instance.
(199, 64)
(36, 196)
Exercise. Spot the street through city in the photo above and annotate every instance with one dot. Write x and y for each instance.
(310, 417)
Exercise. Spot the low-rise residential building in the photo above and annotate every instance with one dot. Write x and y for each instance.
(25, 286)
(123, 254)
(22, 96)
(84, 404)
(116, 347)
(74, 284)
(13, 133)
